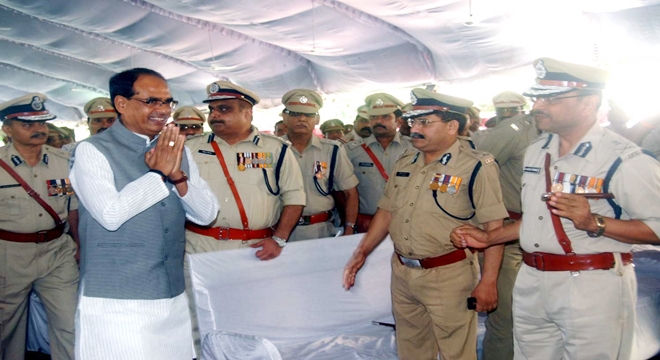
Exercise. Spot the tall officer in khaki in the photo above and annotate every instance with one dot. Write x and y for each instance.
(37, 253)
(374, 156)
(507, 142)
(263, 202)
(575, 296)
(433, 190)
(319, 159)
(189, 120)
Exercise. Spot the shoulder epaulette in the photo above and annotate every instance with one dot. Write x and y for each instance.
(355, 143)
(269, 136)
(58, 152)
(332, 142)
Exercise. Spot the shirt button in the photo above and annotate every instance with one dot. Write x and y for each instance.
(13, 197)
(540, 217)
(396, 186)
(555, 167)
(165, 258)
(523, 185)
(409, 254)
(411, 204)
(536, 245)
(405, 238)
(40, 215)
(35, 175)
(423, 172)
(162, 204)
(407, 221)
(166, 231)
(417, 187)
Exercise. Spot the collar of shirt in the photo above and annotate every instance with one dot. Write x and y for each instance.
(314, 141)
(585, 148)
(254, 137)
(372, 139)
(12, 157)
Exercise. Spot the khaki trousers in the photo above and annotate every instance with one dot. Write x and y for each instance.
(590, 316)
(51, 270)
(498, 341)
(196, 244)
(430, 310)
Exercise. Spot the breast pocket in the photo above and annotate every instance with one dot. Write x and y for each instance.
(400, 185)
(13, 201)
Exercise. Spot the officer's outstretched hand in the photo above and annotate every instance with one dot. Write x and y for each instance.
(352, 267)
(269, 249)
(573, 207)
(469, 236)
(486, 295)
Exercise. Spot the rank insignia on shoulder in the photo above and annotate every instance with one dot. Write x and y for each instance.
(259, 160)
(489, 160)
(445, 183)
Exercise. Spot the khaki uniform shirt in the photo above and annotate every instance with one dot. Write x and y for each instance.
(316, 158)
(19, 212)
(635, 185)
(372, 184)
(507, 142)
(419, 228)
(262, 208)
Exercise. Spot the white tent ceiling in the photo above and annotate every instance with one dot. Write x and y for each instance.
(68, 49)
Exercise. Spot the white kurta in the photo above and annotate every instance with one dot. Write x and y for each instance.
(133, 329)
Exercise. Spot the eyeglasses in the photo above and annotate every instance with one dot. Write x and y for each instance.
(552, 99)
(300, 114)
(186, 127)
(153, 102)
(422, 121)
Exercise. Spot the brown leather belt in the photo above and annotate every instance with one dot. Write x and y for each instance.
(315, 218)
(514, 215)
(430, 263)
(573, 262)
(221, 233)
(38, 237)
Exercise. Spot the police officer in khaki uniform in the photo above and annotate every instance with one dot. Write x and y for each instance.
(264, 172)
(404, 128)
(189, 120)
(333, 129)
(101, 114)
(431, 191)
(575, 296)
(361, 125)
(37, 252)
(324, 165)
(373, 157)
(507, 142)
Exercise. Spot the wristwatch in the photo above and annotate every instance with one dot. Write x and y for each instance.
(183, 178)
(600, 222)
(280, 242)
(352, 226)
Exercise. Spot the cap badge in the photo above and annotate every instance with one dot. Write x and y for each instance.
(379, 102)
(413, 98)
(540, 69)
(214, 88)
(100, 107)
(303, 99)
(36, 103)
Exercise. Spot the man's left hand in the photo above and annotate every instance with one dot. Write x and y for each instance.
(486, 295)
(576, 208)
(270, 250)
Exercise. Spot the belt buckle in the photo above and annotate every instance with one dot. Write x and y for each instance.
(411, 263)
(539, 264)
(223, 233)
(573, 273)
(42, 236)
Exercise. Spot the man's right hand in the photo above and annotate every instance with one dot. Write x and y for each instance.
(352, 267)
(163, 157)
(469, 236)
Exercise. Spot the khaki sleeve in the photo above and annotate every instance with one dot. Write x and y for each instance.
(292, 191)
(487, 194)
(73, 202)
(344, 173)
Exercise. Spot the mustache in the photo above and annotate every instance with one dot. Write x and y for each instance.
(365, 129)
(38, 135)
(379, 126)
(216, 122)
(538, 112)
(102, 130)
(416, 135)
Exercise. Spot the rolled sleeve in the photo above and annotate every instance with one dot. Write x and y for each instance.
(344, 172)
(636, 187)
(487, 195)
